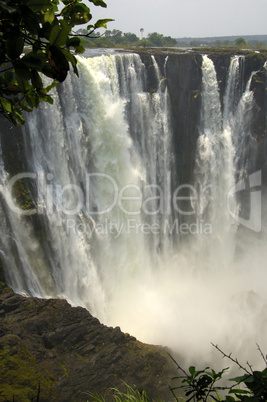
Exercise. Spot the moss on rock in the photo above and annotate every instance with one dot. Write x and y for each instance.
(20, 374)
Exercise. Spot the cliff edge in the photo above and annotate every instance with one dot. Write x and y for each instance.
(69, 353)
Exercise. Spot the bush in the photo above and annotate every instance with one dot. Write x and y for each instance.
(201, 385)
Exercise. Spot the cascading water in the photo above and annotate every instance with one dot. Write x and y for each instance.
(101, 230)
(215, 170)
(89, 180)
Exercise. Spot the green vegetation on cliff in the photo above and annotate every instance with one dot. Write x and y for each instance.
(21, 376)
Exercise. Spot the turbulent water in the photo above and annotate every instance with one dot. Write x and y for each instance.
(107, 230)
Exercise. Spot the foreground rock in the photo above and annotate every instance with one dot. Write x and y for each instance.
(68, 352)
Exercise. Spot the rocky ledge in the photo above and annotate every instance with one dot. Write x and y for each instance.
(67, 353)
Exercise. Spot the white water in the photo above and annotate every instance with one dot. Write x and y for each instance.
(113, 254)
(215, 170)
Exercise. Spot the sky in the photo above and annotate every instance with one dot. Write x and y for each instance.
(186, 18)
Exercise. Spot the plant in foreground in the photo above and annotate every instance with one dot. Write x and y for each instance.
(116, 395)
(37, 39)
(201, 385)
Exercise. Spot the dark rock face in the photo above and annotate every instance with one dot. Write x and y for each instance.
(2, 276)
(259, 123)
(184, 85)
(69, 353)
(12, 147)
(182, 73)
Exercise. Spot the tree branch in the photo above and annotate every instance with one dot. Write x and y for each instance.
(229, 356)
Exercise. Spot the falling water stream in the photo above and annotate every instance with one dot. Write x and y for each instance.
(101, 162)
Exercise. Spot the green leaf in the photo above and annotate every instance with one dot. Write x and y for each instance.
(38, 5)
(33, 60)
(26, 108)
(8, 77)
(102, 23)
(49, 72)
(238, 391)
(48, 99)
(14, 46)
(36, 80)
(30, 101)
(249, 379)
(192, 370)
(98, 3)
(51, 86)
(72, 59)
(22, 82)
(22, 74)
(31, 20)
(49, 16)
(79, 49)
(74, 42)
(80, 14)
(19, 117)
(189, 392)
(16, 118)
(59, 34)
(58, 57)
(55, 32)
(240, 379)
(6, 104)
(59, 63)
(45, 31)
(229, 399)
(204, 381)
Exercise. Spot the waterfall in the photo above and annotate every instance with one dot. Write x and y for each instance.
(214, 171)
(101, 174)
(225, 152)
(233, 88)
(101, 227)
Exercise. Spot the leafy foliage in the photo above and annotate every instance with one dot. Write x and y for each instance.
(36, 37)
(200, 385)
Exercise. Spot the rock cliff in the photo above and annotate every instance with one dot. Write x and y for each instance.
(69, 353)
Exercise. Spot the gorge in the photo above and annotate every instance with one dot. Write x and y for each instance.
(140, 196)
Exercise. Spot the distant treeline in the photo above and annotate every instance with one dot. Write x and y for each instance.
(249, 41)
(116, 38)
